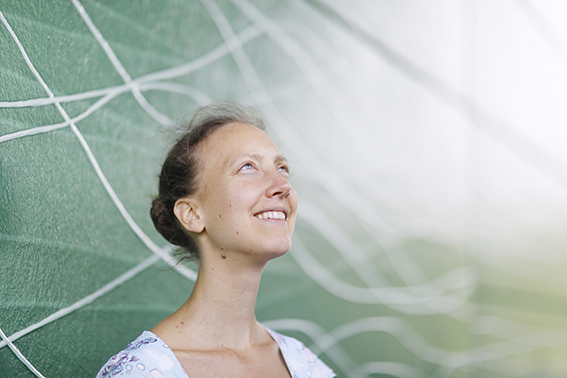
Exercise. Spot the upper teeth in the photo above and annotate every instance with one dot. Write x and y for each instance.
(271, 215)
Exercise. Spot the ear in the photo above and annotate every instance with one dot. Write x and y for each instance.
(185, 210)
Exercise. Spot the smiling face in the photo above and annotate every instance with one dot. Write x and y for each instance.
(245, 201)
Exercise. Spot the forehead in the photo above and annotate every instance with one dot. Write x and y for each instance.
(233, 140)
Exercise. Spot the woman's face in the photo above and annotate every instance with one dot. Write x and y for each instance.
(246, 202)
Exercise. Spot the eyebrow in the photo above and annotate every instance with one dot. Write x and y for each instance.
(278, 158)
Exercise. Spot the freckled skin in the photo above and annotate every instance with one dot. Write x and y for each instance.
(244, 167)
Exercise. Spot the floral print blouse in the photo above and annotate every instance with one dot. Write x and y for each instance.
(149, 357)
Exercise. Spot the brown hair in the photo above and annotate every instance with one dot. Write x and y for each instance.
(180, 171)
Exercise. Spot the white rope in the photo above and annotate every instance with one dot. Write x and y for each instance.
(48, 128)
(159, 252)
(86, 300)
(14, 348)
(171, 87)
(133, 225)
(153, 112)
(33, 131)
(42, 101)
(399, 298)
(213, 55)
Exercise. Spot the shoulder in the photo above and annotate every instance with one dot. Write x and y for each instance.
(299, 359)
(147, 356)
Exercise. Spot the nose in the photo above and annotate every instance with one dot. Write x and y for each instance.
(279, 186)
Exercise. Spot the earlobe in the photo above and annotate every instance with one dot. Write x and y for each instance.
(186, 212)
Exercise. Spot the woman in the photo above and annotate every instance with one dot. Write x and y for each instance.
(225, 198)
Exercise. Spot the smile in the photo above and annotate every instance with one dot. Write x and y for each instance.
(277, 215)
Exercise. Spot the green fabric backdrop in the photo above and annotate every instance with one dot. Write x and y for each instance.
(416, 252)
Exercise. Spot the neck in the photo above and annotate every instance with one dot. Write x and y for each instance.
(220, 310)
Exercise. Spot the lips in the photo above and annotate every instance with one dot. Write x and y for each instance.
(272, 214)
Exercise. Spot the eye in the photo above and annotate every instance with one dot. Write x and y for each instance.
(246, 167)
(284, 169)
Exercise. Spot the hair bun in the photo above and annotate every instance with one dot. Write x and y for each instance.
(166, 224)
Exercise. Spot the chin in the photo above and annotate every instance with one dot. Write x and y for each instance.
(280, 249)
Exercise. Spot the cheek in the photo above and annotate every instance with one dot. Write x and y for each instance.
(241, 198)
(293, 199)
